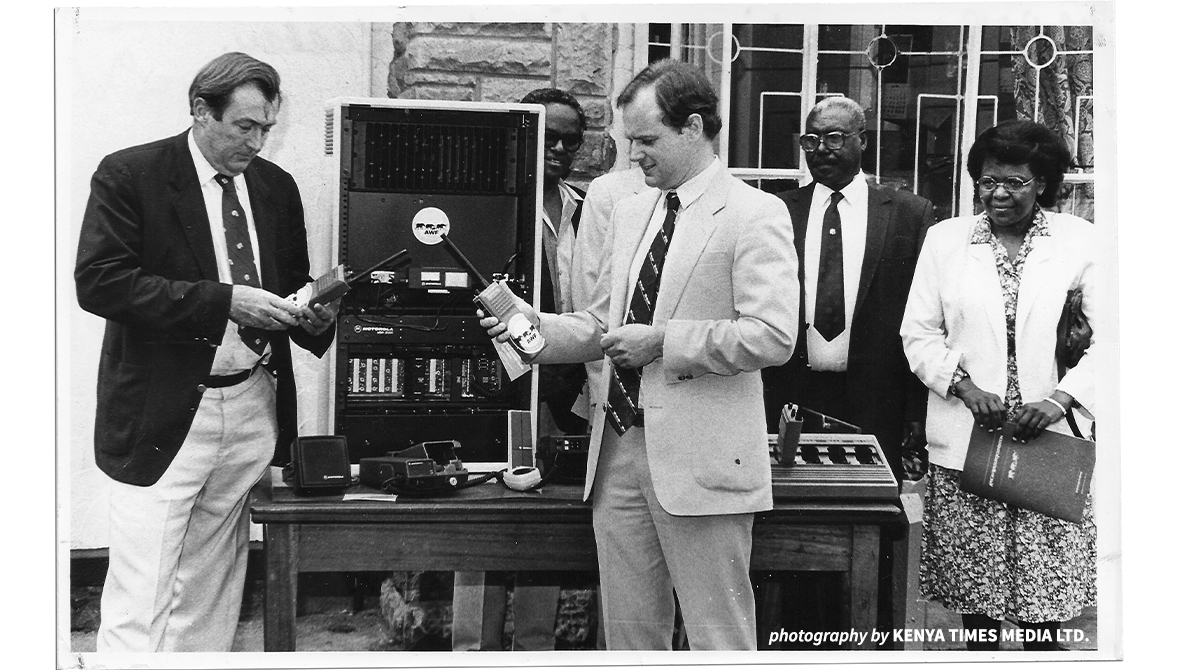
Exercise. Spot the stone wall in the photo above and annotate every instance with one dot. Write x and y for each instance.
(501, 62)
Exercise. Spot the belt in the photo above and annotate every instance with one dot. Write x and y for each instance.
(638, 422)
(222, 381)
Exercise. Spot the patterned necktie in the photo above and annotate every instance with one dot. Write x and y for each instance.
(242, 268)
(829, 292)
(623, 398)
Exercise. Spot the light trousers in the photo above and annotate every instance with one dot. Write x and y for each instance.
(178, 548)
(649, 559)
(479, 609)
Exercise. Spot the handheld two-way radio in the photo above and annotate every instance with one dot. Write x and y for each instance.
(335, 283)
(498, 300)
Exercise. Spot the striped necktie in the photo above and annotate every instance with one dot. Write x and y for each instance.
(623, 397)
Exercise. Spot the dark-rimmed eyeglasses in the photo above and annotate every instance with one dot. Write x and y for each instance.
(1010, 184)
(572, 141)
(834, 140)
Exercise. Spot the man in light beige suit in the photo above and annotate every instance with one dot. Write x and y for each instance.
(676, 474)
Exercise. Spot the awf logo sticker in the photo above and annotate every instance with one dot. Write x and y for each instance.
(430, 224)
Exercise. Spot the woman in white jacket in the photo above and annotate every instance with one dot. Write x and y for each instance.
(980, 331)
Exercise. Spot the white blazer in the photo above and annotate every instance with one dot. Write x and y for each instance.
(727, 313)
(955, 315)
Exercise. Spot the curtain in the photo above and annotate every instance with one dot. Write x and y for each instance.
(1059, 102)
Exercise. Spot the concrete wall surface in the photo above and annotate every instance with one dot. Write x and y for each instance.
(123, 80)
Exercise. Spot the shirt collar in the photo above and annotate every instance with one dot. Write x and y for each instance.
(856, 192)
(568, 194)
(982, 232)
(205, 171)
(692, 189)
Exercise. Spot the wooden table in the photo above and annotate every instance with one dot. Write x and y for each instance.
(489, 527)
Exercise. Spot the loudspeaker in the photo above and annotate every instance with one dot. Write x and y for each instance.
(319, 465)
(520, 439)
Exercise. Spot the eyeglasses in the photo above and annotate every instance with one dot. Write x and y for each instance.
(572, 142)
(1010, 184)
(834, 140)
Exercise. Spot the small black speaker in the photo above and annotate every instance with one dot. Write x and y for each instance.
(319, 465)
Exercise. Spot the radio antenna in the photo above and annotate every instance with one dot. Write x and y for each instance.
(484, 283)
(357, 275)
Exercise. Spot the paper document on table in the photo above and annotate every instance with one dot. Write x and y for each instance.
(371, 496)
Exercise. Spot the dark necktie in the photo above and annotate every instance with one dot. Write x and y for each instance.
(623, 398)
(242, 268)
(829, 292)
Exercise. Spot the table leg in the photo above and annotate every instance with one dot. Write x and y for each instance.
(908, 606)
(862, 579)
(282, 579)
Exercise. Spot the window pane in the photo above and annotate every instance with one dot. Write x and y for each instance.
(659, 38)
(766, 85)
(1078, 199)
(773, 185)
(1044, 74)
(833, 37)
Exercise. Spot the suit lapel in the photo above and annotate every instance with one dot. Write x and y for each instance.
(799, 207)
(693, 231)
(189, 204)
(880, 216)
(983, 267)
(1035, 276)
(628, 232)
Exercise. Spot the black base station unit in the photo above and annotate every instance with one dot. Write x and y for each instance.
(412, 364)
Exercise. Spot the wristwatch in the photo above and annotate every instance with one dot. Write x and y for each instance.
(959, 375)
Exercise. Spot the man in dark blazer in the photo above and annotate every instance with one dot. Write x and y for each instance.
(849, 363)
(858, 373)
(188, 248)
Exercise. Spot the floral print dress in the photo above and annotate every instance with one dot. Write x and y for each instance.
(980, 556)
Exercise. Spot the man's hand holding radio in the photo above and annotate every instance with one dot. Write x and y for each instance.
(319, 318)
(497, 329)
(259, 308)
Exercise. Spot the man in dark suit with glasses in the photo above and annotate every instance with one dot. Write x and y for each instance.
(849, 363)
(858, 245)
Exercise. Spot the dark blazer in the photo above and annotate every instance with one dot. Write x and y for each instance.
(882, 392)
(146, 264)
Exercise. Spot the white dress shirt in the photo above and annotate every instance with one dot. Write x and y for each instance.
(823, 355)
(688, 193)
(559, 246)
(233, 355)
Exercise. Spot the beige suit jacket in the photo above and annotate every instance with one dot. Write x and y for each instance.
(726, 314)
(590, 246)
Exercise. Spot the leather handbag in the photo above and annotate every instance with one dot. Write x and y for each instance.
(1073, 332)
(1073, 338)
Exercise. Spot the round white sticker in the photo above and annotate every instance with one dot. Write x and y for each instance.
(429, 223)
(526, 336)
